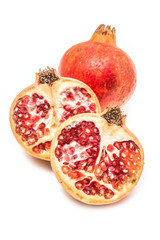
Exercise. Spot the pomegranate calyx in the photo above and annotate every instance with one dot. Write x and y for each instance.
(113, 116)
(48, 76)
(104, 35)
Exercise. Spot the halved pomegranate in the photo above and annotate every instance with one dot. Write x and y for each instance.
(40, 108)
(96, 158)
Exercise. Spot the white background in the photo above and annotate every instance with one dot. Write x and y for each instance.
(35, 34)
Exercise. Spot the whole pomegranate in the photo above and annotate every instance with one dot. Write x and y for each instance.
(40, 108)
(107, 69)
(96, 158)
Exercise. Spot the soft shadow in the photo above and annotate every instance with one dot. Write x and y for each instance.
(39, 162)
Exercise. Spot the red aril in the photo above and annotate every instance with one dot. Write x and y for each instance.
(107, 69)
(40, 108)
(106, 160)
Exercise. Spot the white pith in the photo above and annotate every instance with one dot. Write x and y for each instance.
(62, 101)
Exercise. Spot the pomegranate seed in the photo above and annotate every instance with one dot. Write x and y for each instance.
(68, 107)
(46, 107)
(79, 185)
(71, 150)
(109, 194)
(125, 170)
(83, 123)
(31, 140)
(105, 178)
(89, 168)
(101, 191)
(81, 165)
(83, 136)
(117, 145)
(43, 115)
(75, 111)
(69, 95)
(75, 175)
(78, 103)
(110, 148)
(41, 125)
(36, 149)
(103, 166)
(58, 152)
(88, 95)
(35, 118)
(87, 130)
(83, 90)
(65, 169)
(95, 130)
(83, 143)
(87, 180)
(132, 146)
(81, 109)
(98, 171)
(67, 157)
(41, 146)
(47, 145)
(20, 102)
(35, 95)
(91, 124)
(92, 107)
(26, 100)
(26, 116)
(28, 132)
(87, 190)
(20, 115)
(111, 169)
(89, 151)
(114, 156)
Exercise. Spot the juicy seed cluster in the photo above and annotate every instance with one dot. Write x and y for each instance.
(74, 101)
(121, 168)
(94, 188)
(42, 147)
(78, 147)
(77, 151)
(29, 115)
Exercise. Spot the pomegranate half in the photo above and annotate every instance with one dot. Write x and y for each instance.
(96, 158)
(107, 69)
(40, 108)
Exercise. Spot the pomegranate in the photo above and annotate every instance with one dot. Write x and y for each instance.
(107, 69)
(40, 108)
(96, 158)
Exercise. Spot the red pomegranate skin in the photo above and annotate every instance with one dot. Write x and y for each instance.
(107, 69)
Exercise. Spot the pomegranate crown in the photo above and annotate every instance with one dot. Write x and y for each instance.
(48, 75)
(113, 116)
(104, 35)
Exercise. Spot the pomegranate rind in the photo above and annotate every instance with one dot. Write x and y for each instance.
(51, 94)
(107, 131)
(103, 66)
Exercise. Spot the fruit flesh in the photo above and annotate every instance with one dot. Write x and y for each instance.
(31, 115)
(35, 114)
(102, 175)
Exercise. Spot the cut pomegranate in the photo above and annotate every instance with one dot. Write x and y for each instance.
(103, 66)
(96, 158)
(39, 109)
